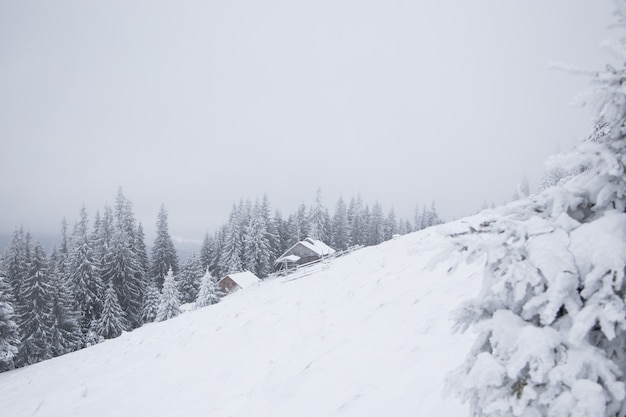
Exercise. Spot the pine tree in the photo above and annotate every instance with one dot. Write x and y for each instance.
(301, 230)
(66, 332)
(282, 229)
(150, 305)
(17, 264)
(257, 250)
(316, 220)
(341, 228)
(358, 222)
(143, 275)
(420, 219)
(9, 337)
(430, 217)
(391, 225)
(271, 230)
(207, 252)
(376, 232)
(36, 312)
(102, 235)
(189, 279)
(551, 315)
(121, 269)
(130, 285)
(142, 253)
(220, 244)
(208, 293)
(112, 321)
(63, 254)
(232, 251)
(169, 304)
(164, 255)
(84, 277)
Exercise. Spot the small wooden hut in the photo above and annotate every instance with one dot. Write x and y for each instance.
(303, 252)
(240, 280)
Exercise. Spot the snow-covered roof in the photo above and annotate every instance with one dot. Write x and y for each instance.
(243, 279)
(317, 246)
(288, 258)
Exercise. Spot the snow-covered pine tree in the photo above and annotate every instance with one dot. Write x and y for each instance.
(418, 218)
(271, 228)
(358, 221)
(130, 290)
(9, 337)
(376, 231)
(63, 254)
(208, 293)
(231, 256)
(102, 235)
(551, 316)
(220, 244)
(364, 220)
(112, 321)
(189, 279)
(150, 305)
(300, 228)
(17, 262)
(164, 255)
(35, 312)
(391, 225)
(66, 332)
(207, 251)
(282, 231)
(432, 217)
(341, 229)
(169, 304)
(257, 251)
(142, 255)
(120, 269)
(316, 220)
(84, 278)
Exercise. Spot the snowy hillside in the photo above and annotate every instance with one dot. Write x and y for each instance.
(368, 336)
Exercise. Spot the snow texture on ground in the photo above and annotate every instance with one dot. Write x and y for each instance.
(367, 336)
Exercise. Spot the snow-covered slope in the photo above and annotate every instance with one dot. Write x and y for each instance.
(367, 336)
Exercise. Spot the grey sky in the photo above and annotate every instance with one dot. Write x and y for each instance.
(196, 104)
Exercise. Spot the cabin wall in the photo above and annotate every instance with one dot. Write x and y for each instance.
(227, 285)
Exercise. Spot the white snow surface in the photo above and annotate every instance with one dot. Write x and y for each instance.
(244, 279)
(368, 336)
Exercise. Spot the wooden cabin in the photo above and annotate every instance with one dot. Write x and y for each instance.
(240, 280)
(303, 252)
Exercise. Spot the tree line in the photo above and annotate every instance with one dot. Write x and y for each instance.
(254, 237)
(100, 280)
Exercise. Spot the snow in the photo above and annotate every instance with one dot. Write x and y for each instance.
(288, 258)
(244, 279)
(368, 336)
(317, 246)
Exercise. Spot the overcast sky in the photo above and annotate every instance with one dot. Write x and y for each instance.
(196, 104)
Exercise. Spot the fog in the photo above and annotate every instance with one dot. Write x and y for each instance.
(198, 104)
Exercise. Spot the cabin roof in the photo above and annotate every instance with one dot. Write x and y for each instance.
(316, 246)
(243, 279)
